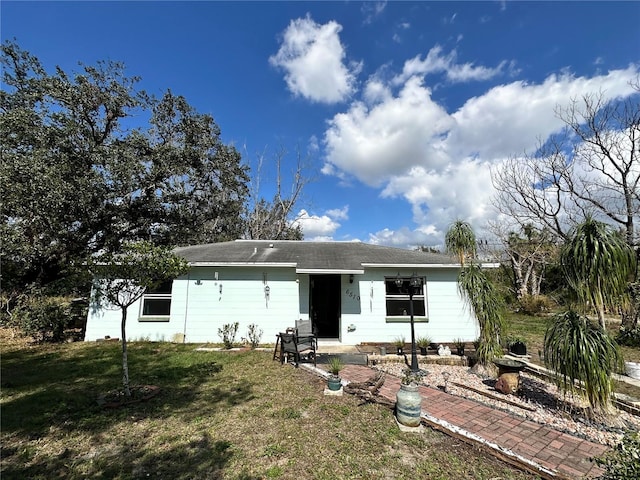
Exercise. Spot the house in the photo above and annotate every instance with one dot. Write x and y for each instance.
(353, 293)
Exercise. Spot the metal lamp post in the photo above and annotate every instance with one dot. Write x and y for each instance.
(414, 282)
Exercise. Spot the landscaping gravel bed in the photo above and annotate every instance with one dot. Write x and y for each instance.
(567, 414)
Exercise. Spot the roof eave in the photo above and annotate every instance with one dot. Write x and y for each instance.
(411, 265)
(327, 271)
(244, 264)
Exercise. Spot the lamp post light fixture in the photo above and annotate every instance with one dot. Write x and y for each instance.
(414, 283)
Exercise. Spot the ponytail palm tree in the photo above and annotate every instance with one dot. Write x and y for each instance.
(473, 284)
(487, 307)
(597, 264)
(460, 240)
(583, 356)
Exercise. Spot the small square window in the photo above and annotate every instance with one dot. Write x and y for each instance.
(398, 300)
(156, 303)
(156, 307)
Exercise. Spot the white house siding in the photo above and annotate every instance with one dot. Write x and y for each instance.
(238, 295)
(448, 319)
(106, 322)
(203, 302)
(449, 316)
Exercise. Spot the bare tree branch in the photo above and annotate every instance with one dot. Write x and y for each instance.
(593, 169)
(274, 220)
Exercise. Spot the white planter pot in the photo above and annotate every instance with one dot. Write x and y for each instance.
(633, 369)
(408, 405)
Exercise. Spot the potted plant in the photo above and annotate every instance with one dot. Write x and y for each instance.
(460, 344)
(408, 401)
(334, 382)
(423, 343)
(517, 346)
(399, 343)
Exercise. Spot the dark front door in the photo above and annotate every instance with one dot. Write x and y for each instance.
(325, 305)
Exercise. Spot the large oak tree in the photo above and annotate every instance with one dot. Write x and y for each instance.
(90, 161)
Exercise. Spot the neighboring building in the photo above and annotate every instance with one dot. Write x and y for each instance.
(348, 289)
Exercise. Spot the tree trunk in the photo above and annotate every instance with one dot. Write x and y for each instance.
(527, 277)
(631, 312)
(520, 286)
(535, 285)
(125, 363)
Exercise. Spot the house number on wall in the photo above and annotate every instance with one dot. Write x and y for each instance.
(352, 294)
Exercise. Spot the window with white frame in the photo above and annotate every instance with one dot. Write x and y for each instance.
(398, 298)
(156, 302)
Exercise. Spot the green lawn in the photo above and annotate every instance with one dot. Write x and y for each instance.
(532, 328)
(218, 416)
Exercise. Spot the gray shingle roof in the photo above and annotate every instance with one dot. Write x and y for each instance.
(312, 256)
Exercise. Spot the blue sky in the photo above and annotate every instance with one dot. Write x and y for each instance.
(399, 109)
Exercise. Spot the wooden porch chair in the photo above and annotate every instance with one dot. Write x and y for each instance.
(291, 347)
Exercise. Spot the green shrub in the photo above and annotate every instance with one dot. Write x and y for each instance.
(535, 304)
(228, 334)
(254, 334)
(335, 365)
(43, 318)
(629, 336)
(623, 462)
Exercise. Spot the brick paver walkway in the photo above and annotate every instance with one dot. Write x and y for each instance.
(564, 455)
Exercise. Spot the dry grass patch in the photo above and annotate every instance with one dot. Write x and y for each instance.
(220, 415)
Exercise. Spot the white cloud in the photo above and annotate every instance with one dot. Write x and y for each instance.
(437, 62)
(509, 119)
(405, 237)
(461, 190)
(376, 91)
(374, 143)
(371, 10)
(339, 213)
(312, 57)
(410, 147)
(449, 20)
(321, 227)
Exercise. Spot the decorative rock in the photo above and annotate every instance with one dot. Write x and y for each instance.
(550, 404)
(508, 383)
(633, 369)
